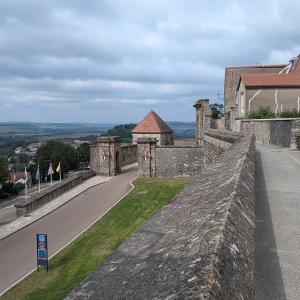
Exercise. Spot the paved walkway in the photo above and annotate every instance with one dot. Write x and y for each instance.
(277, 262)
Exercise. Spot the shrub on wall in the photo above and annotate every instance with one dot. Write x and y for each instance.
(290, 114)
(263, 112)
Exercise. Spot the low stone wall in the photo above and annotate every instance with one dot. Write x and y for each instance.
(185, 142)
(199, 246)
(178, 161)
(280, 132)
(38, 200)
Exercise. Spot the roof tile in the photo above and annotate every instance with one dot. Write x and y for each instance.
(152, 123)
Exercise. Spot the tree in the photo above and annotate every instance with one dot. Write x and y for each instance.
(4, 173)
(56, 152)
(216, 110)
(84, 152)
(123, 131)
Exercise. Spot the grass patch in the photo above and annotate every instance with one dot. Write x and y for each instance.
(4, 223)
(68, 268)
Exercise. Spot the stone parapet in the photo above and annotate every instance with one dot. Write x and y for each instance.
(199, 246)
(216, 142)
(38, 200)
(281, 132)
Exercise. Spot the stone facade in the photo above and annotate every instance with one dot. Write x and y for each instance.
(105, 156)
(161, 138)
(279, 99)
(203, 119)
(231, 81)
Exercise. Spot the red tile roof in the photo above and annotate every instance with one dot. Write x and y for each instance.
(282, 80)
(291, 79)
(15, 176)
(152, 123)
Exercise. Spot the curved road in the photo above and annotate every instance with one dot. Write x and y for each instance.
(18, 251)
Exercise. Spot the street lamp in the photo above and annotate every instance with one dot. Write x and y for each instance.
(220, 98)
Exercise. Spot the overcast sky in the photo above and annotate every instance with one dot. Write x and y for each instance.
(106, 61)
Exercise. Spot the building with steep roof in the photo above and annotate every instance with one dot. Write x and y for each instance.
(280, 91)
(152, 126)
(231, 82)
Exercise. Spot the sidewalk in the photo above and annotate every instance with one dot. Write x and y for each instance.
(277, 235)
(47, 208)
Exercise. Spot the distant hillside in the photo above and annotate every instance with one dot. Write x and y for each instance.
(28, 128)
(183, 129)
(42, 131)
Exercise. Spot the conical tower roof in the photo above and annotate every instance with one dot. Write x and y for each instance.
(152, 123)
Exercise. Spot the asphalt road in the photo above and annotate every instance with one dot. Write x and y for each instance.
(18, 251)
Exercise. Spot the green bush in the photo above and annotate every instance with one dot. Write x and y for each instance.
(290, 114)
(9, 188)
(263, 112)
(4, 196)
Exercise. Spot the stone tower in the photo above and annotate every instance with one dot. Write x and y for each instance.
(152, 126)
(203, 119)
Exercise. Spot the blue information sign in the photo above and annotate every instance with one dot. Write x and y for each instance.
(42, 250)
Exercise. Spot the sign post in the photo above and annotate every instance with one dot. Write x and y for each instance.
(42, 250)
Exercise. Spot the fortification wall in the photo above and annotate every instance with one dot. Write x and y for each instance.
(216, 142)
(178, 161)
(128, 155)
(280, 132)
(199, 246)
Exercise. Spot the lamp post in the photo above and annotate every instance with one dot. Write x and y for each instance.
(220, 98)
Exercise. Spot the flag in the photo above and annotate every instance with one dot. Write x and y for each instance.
(25, 175)
(50, 170)
(37, 175)
(58, 168)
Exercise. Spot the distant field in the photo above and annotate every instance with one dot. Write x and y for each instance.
(47, 131)
(44, 138)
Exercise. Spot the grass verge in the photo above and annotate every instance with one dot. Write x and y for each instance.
(68, 268)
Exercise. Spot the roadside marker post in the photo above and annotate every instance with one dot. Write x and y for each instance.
(42, 250)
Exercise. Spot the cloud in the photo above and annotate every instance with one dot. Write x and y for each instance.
(104, 60)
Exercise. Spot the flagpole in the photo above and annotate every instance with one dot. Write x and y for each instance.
(51, 178)
(25, 183)
(39, 180)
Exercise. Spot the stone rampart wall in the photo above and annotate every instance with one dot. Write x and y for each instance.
(128, 155)
(37, 200)
(216, 142)
(178, 161)
(199, 246)
(185, 142)
(280, 132)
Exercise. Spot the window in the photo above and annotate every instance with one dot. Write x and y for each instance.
(242, 106)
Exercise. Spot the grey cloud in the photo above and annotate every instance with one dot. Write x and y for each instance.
(116, 56)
